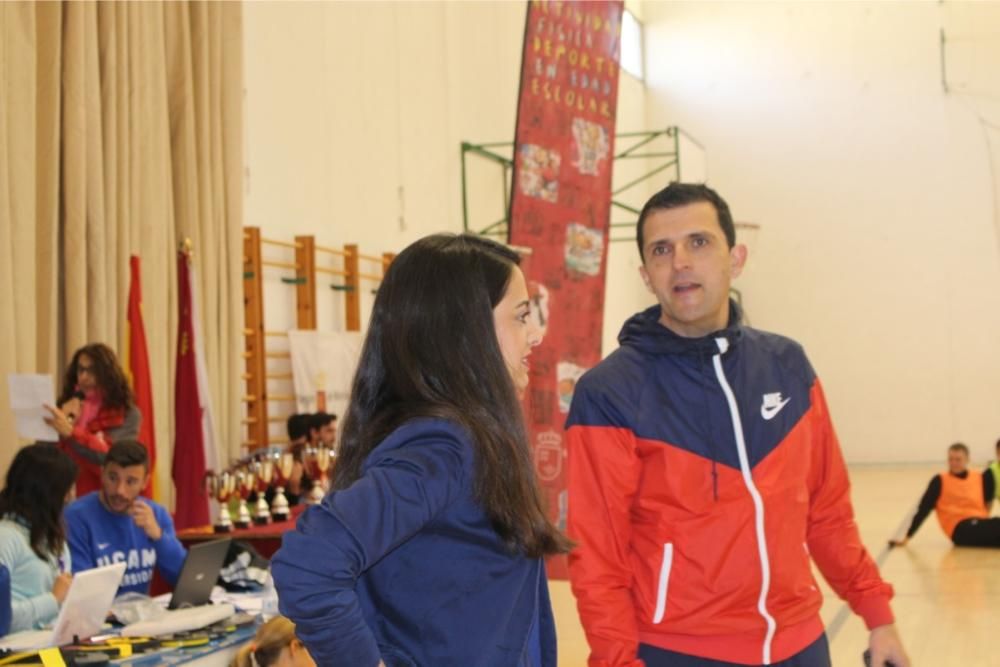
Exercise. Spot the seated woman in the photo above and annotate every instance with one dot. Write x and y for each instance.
(429, 548)
(96, 408)
(275, 645)
(32, 536)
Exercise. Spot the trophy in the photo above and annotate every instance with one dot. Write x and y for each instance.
(318, 462)
(244, 485)
(221, 486)
(284, 463)
(264, 471)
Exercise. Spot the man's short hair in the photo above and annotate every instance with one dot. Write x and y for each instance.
(298, 426)
(677, 195)
(127, 453)
(998, 444)
(959, 447)
(321, 419)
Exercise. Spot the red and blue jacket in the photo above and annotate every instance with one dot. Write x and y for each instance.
(703, 475)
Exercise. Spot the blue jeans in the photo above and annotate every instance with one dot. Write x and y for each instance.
(816, 654)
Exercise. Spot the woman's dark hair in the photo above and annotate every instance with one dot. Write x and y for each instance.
(107, 372)
(432, 351)
(38, 480)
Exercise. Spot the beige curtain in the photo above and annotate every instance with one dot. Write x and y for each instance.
(120, 134)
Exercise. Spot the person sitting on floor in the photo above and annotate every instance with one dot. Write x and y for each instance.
(994, 468)
(115, 524)
(961, 500)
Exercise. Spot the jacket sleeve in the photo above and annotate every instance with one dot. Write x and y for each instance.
(26, 613)
(90, 446)
(129, 430)
(927, 503)
(170, 553)
(603, 478)
(317, 568)
(833, 538)
(93, 446)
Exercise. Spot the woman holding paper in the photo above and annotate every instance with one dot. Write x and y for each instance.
(96, 408)
(429, 548)
(32, 535)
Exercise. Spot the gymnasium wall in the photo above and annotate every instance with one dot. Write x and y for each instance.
(354, 116)
(827, 124)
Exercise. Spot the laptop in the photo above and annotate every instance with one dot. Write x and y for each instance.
(188, 608)
(199, 574)
(83, 611)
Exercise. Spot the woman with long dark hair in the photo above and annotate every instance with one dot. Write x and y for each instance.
(428, 550)
(96, 408)
(32, 535)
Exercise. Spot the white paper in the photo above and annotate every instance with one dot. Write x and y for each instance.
(28, 393)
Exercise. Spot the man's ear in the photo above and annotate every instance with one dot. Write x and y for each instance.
(738, 258)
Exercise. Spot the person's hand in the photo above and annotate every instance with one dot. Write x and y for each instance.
(61, 586)
(59, 420)
(899, 543)
(143, 516)
(886, 647)
(72, 408)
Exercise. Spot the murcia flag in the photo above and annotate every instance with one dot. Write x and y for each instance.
(194, 445)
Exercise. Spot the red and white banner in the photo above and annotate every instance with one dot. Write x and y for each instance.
(194, 443)
(560, 208)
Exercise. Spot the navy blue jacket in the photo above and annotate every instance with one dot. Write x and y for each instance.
(405, 566)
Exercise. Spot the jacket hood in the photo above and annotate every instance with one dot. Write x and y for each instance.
(644, 332)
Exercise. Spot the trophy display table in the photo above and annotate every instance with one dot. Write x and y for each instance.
(265, 539)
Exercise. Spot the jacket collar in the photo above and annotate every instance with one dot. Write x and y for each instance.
(645, 332)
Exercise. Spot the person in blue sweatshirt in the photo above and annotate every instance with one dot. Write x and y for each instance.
(40, 481)
(116, 524)
(428, 549)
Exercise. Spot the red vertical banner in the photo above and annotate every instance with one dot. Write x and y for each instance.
(191, 506)
(561, 207)
(139, 374)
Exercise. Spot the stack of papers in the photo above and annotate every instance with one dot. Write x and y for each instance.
(28, 394)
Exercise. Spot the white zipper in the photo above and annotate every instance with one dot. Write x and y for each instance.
(758, 502)
(661, 589)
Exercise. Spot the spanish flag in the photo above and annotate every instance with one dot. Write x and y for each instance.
(137, 362)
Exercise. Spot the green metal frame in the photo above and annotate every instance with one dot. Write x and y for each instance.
(671, 159)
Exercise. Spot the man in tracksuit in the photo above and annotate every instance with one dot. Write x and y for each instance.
(704, 473)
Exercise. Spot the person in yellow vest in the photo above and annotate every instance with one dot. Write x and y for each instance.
(961, 498)
(994, 468)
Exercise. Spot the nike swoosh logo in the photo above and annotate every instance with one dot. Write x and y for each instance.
(103, 545)
(772, 405)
